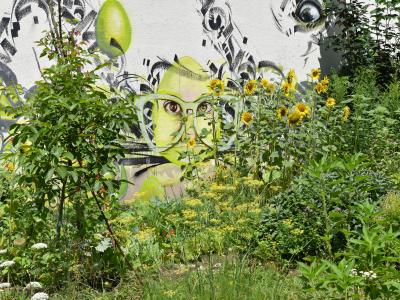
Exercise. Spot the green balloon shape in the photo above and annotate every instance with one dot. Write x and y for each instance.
(113, 29)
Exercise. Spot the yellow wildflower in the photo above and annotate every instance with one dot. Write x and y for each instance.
(145, 234)
(193, 202)
(297, 231)
(281, 112)
(325, 81)
(346, 113)
(191, 143)
(321, 88)
(10, 167)
(288, 223)
(330, 102)
(291, 78)
(250, 87)
(217, 87)
(189, 214)
(303, 109)
(294, 118)
(286, 88)
(315, 74)
(269, 87)
(169, 293)
(247, 117)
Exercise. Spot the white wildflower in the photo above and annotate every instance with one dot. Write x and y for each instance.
(201, 268)
(3, 251)
(7, 263)
(33, 285)
(353, 272)
(5, 285)
(369, 274)
(40, 296)
(39, 246)
(217, 265)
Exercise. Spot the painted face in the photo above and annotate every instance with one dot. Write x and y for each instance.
(182, 110)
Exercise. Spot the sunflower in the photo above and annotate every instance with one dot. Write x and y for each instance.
(321, 88)
(269, 87)
(191, 143)
(291, 77)
(250, 87)
(302, 109)
(281, 112)
(294, 118)
(346, 113)
(325, 81)
(217, 87)
(247, 117)
(315, 74)
(330, 102)
(286, 88)
(264, 83)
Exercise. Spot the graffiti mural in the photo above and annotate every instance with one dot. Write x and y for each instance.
(165, 53)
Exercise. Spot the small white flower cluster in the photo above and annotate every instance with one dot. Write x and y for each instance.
(370, 274)
(3, 251)
(365, 274)
(33, 285)
(40, 296)
(39, 246)
(5, 285)
(7, 263)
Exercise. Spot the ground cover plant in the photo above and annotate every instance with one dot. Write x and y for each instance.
(304, 204)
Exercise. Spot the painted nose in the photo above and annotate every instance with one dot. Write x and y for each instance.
(190, 131)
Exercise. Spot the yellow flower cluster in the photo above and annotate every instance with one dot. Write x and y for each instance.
(145, 234)
(193, 202)
(189, 214)
(288, 223)
(222, 188)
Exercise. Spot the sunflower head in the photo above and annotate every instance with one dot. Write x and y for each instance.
(346, 113)
(191, 143)
(321, 88)
(315, 74)
(294, 118)
(250, 87)
(302, 109)
(291, 77)
(217, 87)
(286, 88)
(325, 81)
(330, 102)
(247, 117)
(281, 112)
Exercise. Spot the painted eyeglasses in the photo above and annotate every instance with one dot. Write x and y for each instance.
(165, 120)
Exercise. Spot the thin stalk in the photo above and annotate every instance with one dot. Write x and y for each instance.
(60, 210)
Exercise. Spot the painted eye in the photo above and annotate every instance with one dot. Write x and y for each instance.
(172, 107)
(309, 12)
(204, 108)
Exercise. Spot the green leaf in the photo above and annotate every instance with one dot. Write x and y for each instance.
(49, 175)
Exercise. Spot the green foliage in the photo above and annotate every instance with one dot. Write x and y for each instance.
(368, 269)
(314, 215)
(366, 35)
(64, 175)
